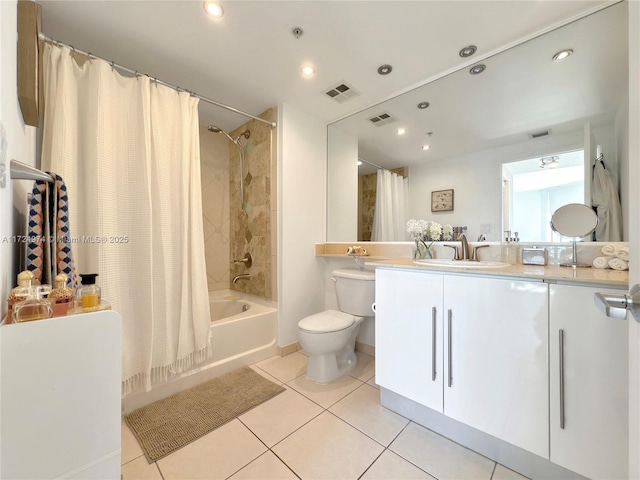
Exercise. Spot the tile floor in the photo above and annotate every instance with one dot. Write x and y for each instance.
(310, 431)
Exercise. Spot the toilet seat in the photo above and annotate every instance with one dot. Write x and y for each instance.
(327, 321)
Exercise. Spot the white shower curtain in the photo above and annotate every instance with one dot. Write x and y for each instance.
(128, 150)
(392, 207)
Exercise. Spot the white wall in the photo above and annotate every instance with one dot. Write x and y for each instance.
(622, 146)
(21, 141)
(634, 234)
(476, 179)
(21, 146)
(301, 219)
(342, 199)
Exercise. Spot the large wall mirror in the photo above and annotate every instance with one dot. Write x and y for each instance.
(471, 139)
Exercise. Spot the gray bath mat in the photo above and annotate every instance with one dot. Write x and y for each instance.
(169, 424)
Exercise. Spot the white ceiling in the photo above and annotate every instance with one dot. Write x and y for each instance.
(522, 91)
(249, 59)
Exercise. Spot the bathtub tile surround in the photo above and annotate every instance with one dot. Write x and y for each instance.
(214, 168)
(366, 204)
(367, 188)
(251, 228)
(292, 436)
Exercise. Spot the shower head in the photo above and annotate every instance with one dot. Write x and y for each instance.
(216, 129)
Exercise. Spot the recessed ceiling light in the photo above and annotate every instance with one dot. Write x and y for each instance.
(213, 8)
(468, 51)
(401, 131)
(562, 55)
(476, 69)
(308, 70)
(423, 105)
(385, 69)
(359, 162)
(426, 147)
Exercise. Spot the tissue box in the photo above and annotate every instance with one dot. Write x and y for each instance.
(534, 256)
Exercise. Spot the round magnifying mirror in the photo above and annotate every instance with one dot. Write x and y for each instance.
(574, 220)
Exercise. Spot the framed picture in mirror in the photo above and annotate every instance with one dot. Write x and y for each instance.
(442, 200)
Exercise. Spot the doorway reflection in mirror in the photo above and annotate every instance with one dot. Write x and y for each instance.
(531, 194)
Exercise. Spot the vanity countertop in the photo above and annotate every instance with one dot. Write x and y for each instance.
(552, 273)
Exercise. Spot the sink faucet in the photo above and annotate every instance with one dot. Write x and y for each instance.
(244, 276)
(464, 247)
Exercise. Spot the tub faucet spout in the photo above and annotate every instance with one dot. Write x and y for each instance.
(244, 276)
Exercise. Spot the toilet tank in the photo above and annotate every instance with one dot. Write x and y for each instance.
(355, 290)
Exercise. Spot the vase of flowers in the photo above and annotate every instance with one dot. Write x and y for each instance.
(423, 231)
(419, 231)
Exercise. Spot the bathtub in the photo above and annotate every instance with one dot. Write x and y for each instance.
(243, 331)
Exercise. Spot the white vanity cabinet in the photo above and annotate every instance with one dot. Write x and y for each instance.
(493, 375)
(588, 383)
(409, 335)
(496, 358)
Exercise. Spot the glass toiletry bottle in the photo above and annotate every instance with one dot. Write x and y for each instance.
(61, 296)
(88, 295)
(19, 293)
(35, 307)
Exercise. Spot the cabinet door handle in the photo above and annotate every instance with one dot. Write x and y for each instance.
(433, 344)
(561, 363)
(449, 343)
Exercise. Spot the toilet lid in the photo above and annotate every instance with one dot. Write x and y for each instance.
(327, 321)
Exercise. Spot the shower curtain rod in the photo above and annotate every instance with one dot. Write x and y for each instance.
(372, 164)
(44, 38)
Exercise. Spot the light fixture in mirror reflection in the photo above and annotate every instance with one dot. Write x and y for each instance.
(524, 106)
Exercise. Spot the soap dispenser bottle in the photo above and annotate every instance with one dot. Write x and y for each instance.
(61, 296)
(89, 294)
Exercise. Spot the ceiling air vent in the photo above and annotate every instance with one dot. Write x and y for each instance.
(543, 133)
(382, 119)
(342, 92)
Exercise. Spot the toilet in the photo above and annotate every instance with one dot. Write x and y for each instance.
(329, 337)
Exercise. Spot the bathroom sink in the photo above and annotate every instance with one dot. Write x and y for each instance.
(441, 262)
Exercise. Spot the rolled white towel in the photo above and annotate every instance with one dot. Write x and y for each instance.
(623, 253)
(609, 250)
(618, 264)
(602, 262)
